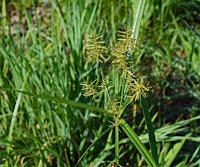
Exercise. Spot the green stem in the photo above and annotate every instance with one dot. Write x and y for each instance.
(117, 141)
(116, 80)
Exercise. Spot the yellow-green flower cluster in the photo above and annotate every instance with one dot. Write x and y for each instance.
(89, 89)
(121, 50)
(113, 106)
(138, 88)
(95, 49)
(120, 58)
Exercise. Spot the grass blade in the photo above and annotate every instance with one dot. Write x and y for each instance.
(4, 142)
(150, 129)
(117, 143)
(40, 163)
(14, 117)
(137, 19)
(174, 151)
(69, 102)
(92, 145)
(138, 144)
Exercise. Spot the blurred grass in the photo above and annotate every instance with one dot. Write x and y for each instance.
(52, 134)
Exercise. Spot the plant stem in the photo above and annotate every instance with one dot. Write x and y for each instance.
(117, 141)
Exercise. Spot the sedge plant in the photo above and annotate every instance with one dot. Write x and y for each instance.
(120, 87)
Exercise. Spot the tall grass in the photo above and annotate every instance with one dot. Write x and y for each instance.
(49, 131)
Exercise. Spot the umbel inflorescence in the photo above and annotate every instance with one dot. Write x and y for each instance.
(128, 88)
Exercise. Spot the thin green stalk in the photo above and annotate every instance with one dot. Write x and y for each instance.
(92, 145)
(67, 160)
(117, 141)
(116, 82)
(10, 137)
(113, 21)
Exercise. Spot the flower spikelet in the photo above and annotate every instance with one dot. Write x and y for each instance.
(95, 49)
(121, 51)
(127, 40)
(90, 89)
(138, 88)
(113, 106)
(105, 85)
(119, 57)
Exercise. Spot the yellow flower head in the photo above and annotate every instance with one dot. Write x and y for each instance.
(138, 88)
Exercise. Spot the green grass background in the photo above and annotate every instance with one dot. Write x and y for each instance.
(44, 53)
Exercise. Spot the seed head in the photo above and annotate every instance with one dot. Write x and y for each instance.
(95, 49)
(120, 58)
(113, 106)
(138, 88)
(105, 85)
(127, 39)
(90, 89)
(121, 51)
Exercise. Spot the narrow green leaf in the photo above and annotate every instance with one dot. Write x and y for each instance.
(117, 143)
(137, 19)
(40, 163)
(4, 142)
(174, 152)
(30, 28)
(69, 102)
(10, 137)
(138, 144)
(150, 129)
(195, 153)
